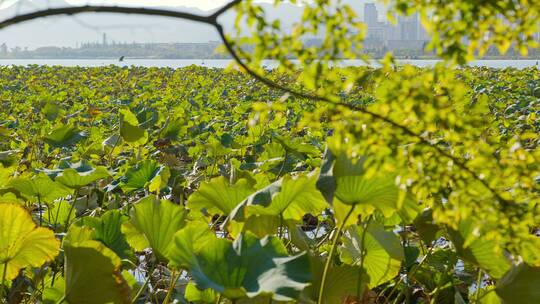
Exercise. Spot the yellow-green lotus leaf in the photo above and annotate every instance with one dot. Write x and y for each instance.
(22, 243)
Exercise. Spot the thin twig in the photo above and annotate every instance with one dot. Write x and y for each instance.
(224, 9)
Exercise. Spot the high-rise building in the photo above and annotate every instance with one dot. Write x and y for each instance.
(407, 34)
(371, 15)
(375, 30)
(409, 27)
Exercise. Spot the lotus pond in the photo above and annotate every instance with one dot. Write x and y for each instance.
(198, 185)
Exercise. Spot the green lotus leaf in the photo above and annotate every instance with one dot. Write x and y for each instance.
(141, 176)
(51, 111)
(291, 197)
(477, 250)
(520, 284)
(295, 146)
(330, 168)
(488, 295)
(382, 252)
(93, 274)
(246, 267)
(8, 158)
(55, 293)
(380, 192)
(406, 212)
(64, 164)
(22, 243)
(40, 188)
(427, 229)
(112, 141)
(259, 225)
(130, 130)
(153, 224)
(5, 175)
(75, 179)
(342, 282)
(108, 230)
(220, 196)
(78, 234)
(299, 237)
(59, 213)
(173, 129)
(194, 295)
(64, 136)
(76, 175)
(344, 178)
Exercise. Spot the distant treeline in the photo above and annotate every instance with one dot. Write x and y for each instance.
(209, 50)
(133, 50)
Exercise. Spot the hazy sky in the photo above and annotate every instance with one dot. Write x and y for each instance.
(202, 4)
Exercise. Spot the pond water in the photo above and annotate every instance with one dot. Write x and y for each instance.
(178, 63)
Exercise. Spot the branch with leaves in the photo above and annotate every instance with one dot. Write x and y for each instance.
(213, 21)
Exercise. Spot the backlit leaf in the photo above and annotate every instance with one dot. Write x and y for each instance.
(22, 243)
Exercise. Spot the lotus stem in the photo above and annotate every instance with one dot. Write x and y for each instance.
(71, 209)
(362, 257)
(331, 254)
(174, 278)
(3, 280)
(478, 285)
(62, 300)
(282, 166)
(39, 211)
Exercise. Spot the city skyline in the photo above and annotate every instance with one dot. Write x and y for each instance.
(407, 33)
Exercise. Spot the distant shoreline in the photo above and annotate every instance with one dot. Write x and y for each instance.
(202, 59)
(224, 63)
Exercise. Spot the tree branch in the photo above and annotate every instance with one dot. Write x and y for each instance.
(106, 9)
(462, 165)
(212, 20)
(224, 9)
